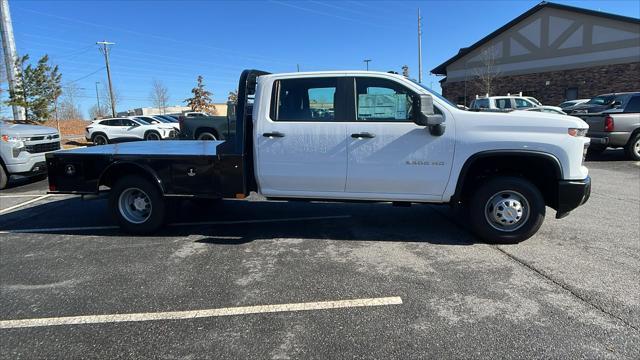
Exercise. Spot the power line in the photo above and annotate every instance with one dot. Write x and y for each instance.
(86, 76)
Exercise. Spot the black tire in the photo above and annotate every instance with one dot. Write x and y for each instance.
(99, 139)
(152, 136)
(497, 225)
(129, 186)
(4, 177)
(206, 135)
(632, 149)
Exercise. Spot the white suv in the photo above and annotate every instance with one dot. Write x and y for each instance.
(509, 103)
(101, 132)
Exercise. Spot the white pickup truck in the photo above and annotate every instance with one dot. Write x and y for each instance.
(350, 136)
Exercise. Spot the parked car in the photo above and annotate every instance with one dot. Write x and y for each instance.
(547, 110)
(168, 118)
(616, 128)
(102, 132)
(23, 148)
(569, 104)
(506, 103)
(153, 120)
(390, 139)
(602, 103)
(195, 114)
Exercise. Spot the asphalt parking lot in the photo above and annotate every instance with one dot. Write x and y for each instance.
(288, 280)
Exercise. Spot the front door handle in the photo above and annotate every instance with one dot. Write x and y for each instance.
(275, 134)
(363, 135)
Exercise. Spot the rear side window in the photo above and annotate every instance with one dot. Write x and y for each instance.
(634, 105)
(307, 99)
(112, 122)
(504, 103)
(383, 100)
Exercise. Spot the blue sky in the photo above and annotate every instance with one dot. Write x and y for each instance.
(175, 41)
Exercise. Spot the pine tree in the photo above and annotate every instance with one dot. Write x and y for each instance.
(38, 89)
(201, 100)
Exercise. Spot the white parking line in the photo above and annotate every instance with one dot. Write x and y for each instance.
(194, 314)
(26, 195)
(24, 203)
(230, 222)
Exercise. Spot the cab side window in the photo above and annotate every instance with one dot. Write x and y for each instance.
(633, 106)
(523, 104)
(305, 99)
(383, 100)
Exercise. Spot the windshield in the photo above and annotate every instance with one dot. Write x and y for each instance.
(601, 100)
(436, 94)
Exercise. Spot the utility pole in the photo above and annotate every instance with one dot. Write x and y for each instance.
(367, 61)
(105, 51)
(10, 55)
(98, 99)
(298, 67)
(419, 47)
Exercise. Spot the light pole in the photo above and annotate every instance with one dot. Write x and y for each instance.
(367, 61)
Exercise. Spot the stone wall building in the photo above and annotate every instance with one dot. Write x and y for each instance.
(552, 52)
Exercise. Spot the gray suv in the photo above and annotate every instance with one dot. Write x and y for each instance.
(22, 149)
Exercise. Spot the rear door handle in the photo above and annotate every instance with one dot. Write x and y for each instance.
(275, 134)
(363, 135)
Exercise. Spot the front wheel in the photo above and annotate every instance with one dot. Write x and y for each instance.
(633, 148)
(506, 210)
(152, 136)
(137, 205)
(4, 178)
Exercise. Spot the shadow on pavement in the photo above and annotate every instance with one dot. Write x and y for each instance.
(231, 222)
(608, 155)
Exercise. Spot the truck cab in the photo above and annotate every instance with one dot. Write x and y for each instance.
(351, 136)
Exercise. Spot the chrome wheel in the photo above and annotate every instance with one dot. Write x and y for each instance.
(134, 205)
(507, 211)
(636, 148)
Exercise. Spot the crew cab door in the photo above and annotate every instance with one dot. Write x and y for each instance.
(390, 155)
(301, 146)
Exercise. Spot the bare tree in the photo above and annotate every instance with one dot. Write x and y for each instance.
(159, 95)
(69, 109)
(487, 72)
(96, 112)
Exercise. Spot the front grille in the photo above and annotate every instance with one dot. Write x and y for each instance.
(43, 137)
(40, 148)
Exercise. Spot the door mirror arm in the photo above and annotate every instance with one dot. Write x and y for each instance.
(425, 115)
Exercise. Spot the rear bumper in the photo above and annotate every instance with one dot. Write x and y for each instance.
(604, 139)
(571, 194)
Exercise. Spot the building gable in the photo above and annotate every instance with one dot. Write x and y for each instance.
(549, 37)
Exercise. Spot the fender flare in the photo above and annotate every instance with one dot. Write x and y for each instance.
(489, 153)
(145, 168)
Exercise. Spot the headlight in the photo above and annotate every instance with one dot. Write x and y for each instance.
(8, 138)
(577, 132)
(18, 147)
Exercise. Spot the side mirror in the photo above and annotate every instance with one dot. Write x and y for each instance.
(426, 116)
(615, 103)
